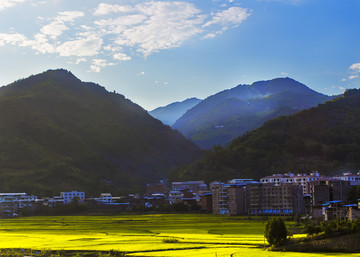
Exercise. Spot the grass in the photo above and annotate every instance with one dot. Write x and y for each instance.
(143, 235)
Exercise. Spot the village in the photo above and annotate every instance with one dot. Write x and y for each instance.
(308, 195)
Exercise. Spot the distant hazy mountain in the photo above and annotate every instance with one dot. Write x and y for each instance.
(58, 133)
(172, 112)
(324, 138)
(220, 118)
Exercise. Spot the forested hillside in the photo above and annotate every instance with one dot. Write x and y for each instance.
(58, 133)
(324, 138)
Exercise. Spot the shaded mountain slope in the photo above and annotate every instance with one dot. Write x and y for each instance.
(231, 113)
(58, 133)
(171, 113)
(324, 138)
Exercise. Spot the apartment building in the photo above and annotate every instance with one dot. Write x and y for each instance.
(195, 186)
(69, 196)
(231, 198)
(303, 180)
(271, 199)
(354, 179)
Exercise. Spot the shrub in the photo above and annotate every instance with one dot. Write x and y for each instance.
(170, 240)
(275, 231)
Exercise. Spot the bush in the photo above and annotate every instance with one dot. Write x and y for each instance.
(275, 231)
(311, 229)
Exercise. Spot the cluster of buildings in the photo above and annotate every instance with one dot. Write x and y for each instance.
(313, 195)
(287, 194)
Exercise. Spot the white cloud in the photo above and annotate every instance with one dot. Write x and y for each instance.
(118, 31)
(154, 25)
(81, 47)
(57, 26)
(355, 67)
(12, 39)
(104, 9)
(98, 64)
(121, 57)
(80, 60)
(54, 29)
(4, 4)
(353, 76)
(284, 73)
(142, 73)
(230, 17)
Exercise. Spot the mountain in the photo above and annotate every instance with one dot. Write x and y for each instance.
(58, 133)
(172, 112)
(220, 118)
(324, 138)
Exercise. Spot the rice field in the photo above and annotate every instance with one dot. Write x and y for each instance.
(143, 235)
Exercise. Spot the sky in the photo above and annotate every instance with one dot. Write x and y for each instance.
(157, 52)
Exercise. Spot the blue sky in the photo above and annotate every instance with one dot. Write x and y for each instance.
(157, 52)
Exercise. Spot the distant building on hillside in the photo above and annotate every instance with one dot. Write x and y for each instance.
(11, 202)
(195, 186)
(354, 179)
(70, 196)
(299, 179)
(157, 188)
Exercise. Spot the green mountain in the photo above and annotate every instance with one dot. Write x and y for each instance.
(58, 133)
(169, 114)
(220, 118)
(324, 138)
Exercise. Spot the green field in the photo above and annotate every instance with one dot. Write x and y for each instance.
(143, 235)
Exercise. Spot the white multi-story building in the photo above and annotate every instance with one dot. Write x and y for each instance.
(354, 179)
(11, 202)
(104, 198)
(69, 196)
(303, 180)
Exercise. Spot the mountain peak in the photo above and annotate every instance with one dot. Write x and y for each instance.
(61, 133)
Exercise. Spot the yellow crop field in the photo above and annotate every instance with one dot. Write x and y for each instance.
(144, 235)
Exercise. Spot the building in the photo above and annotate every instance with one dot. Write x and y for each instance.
(231, 198)
(195, 186)
(302, 180)
(177, 195)
(354, 179)
(325, 191)
(12, 202)
(205, 202)
(270, 199)
(70, 196)
(157, 188)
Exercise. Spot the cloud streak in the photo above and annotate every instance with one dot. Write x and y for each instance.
(5, 4)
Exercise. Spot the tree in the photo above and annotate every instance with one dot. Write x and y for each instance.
(275, 231)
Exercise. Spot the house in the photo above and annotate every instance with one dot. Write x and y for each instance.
(195, 186)
(70, 196)
(11, 202)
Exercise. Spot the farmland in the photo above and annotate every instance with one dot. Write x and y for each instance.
(143, 235)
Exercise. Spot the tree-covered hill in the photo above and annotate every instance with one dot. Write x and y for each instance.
(58, 133)
(222, 117)
(324, 138)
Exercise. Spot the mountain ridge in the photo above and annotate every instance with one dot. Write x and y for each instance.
(220, 118)
(58, 133)
(325, 138)
(170, 113)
